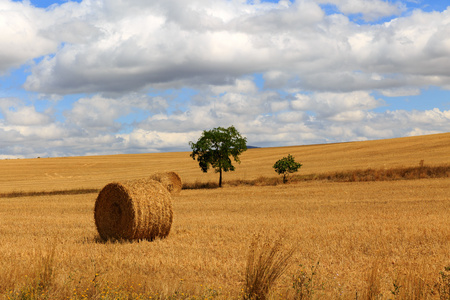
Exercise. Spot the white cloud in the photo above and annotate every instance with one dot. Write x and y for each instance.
(30, 137)
(97, 113)
(426, 117)
(292, 117)
(239, 86)
(146, 140)
(21, 37)
(114, 47)
(286, 18)
(369, 9)
(336, 105)
(419, 131)
(102, 114)
(262, 127)
(374, 133)
(16, 113)
(26, 116)
(401, 92)
(276, 106)
(312, 118)
(151, 44)
(276, 79)
(349, 116)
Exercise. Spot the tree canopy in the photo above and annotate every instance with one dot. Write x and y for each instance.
(285, 166)
(216, 147)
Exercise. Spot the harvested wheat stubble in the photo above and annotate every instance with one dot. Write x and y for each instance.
(133, 210)
(170, 180)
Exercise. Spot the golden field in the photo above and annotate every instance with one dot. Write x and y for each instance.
(96, 171)
(389, 239)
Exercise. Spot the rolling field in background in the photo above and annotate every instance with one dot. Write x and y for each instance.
(367, 240)
(96, 171)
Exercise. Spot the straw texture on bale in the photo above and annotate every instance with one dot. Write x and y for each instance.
(133, 210)
(170, 180)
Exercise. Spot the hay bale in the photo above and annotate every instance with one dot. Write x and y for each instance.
(170, 180)
(133, 210)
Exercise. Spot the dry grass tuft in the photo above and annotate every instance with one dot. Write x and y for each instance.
(133, 210)
(45, 275)
(266, 262)
(170, 180)
(411, 286)
(373, 288)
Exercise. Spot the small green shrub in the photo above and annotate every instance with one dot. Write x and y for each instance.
(285, 166)
(303, 282)
(444, 284)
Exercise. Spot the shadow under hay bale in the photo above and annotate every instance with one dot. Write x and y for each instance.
(170, 180)
(133, 210)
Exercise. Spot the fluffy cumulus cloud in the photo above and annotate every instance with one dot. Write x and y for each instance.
(21, 39)
(112, 47)
(16, 113)
(113, 76)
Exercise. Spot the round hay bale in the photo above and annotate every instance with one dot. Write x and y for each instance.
(133, 210)
(170, 180)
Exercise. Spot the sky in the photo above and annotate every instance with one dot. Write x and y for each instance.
(96, 77)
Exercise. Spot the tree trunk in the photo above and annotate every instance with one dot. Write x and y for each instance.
(220, 178)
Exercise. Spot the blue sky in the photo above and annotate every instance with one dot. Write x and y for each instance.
(98, 77)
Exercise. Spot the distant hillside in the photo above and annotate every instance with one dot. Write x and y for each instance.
(96, 171)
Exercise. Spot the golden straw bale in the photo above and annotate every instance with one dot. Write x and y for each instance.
(171, 180)
(133, 210)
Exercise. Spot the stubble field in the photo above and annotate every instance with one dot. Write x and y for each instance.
(388, 239)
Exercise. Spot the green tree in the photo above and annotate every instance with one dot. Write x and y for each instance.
(285, 166)
(216, 146)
